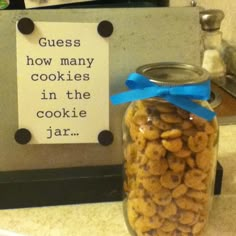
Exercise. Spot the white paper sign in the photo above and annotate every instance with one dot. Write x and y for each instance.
(44, 3)
(63, 82)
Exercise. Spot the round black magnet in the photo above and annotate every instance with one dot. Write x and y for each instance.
(105, 137)
(105, 28)
(25, 25)
(22, 136)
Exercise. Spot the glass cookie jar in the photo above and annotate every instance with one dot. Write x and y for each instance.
(169, 159)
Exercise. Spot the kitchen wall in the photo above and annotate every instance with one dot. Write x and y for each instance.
(229, 8)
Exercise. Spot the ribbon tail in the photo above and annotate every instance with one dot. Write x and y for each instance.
(191, 106)
(201, 91)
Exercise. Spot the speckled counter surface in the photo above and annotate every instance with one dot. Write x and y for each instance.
(106, 219)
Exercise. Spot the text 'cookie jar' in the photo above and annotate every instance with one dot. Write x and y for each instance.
(170, 148)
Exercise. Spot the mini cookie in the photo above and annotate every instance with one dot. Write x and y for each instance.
(151, 184)
(170, 179)
(199, 226)
(140, 142)
(143, 171)
(126, 188)
(130, 152)
(128, 170)
(171, 134)
(152, 232)
(209, 129)
(197, 215)
(194, 179)
(159, 232)
(134, 131)
(190, 131)
(198, 121)
(157, 167)
(128, 118)
(183, 153)
(168, 226)
(131, 168)
(163, 197)
(156, 221)
(186, 217)
(176, 164)
(171, 118)
(198, 196)
(131, 214)
(184, 228)
(140, 105)
(179, 233)
(145, 207)
(167, 211)
(186, 203)
(183, 113)
(165, 107)
(132, 184)
(144, 223)
(149, 132)
(186, 124)
(174, 218)
(137, 193)
(198, 142)
(204, 160)
(139, 233)
(141, 158)
(155, 151)
(161, 124)
(179, 191)
(140, 117)
(190, 162)
(172, 145)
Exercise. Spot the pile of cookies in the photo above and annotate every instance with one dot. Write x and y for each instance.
(170, 157)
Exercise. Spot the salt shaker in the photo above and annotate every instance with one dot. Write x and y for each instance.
(212, 59)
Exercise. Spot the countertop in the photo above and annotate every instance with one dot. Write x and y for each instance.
(106, 219)
(228, 105)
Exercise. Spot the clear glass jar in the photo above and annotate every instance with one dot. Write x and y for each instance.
(169, 161)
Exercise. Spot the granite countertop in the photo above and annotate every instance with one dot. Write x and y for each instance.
(106, 219)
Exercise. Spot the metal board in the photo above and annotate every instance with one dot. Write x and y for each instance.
(141, 35)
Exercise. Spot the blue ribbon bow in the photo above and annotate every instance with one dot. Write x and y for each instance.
(181, 95)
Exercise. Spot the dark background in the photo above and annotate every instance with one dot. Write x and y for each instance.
(19, 4)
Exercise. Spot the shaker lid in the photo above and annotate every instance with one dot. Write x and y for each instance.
(211, 19)
(173, 73)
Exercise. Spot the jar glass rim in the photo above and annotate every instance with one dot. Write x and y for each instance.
(173, 73)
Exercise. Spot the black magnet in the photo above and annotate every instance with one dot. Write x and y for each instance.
(105, 137)
(105, 28)
(22, 136)
(25, 25)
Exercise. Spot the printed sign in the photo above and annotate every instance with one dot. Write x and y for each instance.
(63, 82)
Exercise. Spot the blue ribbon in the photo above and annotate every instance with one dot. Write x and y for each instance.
(181, 95)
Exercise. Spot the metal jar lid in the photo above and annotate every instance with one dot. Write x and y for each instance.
(173, 73)
(211, 19)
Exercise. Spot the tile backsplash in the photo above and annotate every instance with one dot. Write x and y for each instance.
(229, 8)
